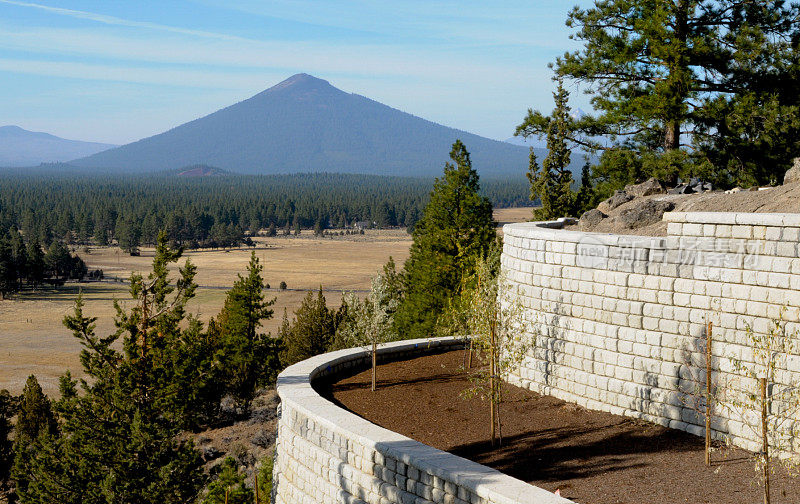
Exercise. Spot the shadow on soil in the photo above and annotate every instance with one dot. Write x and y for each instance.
(550, 460)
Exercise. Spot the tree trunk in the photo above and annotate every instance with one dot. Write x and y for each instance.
(678, 78)
(672, 135)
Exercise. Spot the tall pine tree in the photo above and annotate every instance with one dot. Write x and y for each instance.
(119, 434)
(716, 80)
(552, 184)
(312, 331)
(246, 357)
(455, 230)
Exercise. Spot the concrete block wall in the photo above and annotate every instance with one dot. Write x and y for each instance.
(620, 321)
(325, 454)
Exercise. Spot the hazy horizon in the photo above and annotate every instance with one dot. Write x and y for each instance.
(117, 72)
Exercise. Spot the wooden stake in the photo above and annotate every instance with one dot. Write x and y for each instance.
(709, 339)
(493, 395)
(226, 494)
(374, 361)
(256, 485)
(764, 439)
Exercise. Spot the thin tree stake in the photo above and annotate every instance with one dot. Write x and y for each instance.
(374, 361)
(765, 441)
(708, 392)
(492, 384)
(256, 486)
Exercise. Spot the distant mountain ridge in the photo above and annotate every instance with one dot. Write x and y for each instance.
(20, 147)
(304, 124)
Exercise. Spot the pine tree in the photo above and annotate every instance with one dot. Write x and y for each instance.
(36, 264)
(455, 230)
(35, 414)
(129, 235)
(35, 423)
(552, 184)
(246, 358)
(312, 331)
(20, 257)
(717, 80)
(57, 260)
(584, 200)
(228, 487)
(118, 439)
(8, 408)
(8, 282)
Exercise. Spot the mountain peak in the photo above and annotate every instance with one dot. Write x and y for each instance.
(304, 124)
(302, 81)
(11, 129)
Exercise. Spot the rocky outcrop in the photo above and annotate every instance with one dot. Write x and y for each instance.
(793, 174)
(619, 198)
(646, 188)
(648, 212)
(590, 219)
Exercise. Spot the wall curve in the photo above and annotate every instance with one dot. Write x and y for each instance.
(325, 454)
(620, 320)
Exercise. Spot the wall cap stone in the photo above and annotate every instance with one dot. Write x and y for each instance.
(295, 390)
(734, 218)
(552, 230)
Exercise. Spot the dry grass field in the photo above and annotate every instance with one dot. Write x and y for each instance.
(33, 340)
(511, 215)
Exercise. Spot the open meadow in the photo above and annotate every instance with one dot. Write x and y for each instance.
(34, 341)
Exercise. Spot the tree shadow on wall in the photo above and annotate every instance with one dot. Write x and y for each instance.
(551, 344)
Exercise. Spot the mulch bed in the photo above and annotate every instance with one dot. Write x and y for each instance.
(592, 457)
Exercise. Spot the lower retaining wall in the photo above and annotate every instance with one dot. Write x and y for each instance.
(326, 454)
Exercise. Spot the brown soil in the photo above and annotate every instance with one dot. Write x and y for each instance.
(773, 199)
(592, 457)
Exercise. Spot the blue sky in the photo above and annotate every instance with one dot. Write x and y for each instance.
(116, 70)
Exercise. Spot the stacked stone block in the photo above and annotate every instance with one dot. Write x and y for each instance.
(620, 321)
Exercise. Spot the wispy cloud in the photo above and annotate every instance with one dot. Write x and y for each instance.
(141, 75)
(251, 55)
(116, 21)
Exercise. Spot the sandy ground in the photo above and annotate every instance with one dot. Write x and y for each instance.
(34, 341)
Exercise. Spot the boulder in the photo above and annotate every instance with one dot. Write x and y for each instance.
(649, 212)
(590, 219)
(619, 198)
(681, 189)
(646, 188)
(698, 185)
(793, 174)
(210, 453)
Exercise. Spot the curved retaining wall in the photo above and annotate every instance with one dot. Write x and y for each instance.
(620, 320)
(326, 454)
